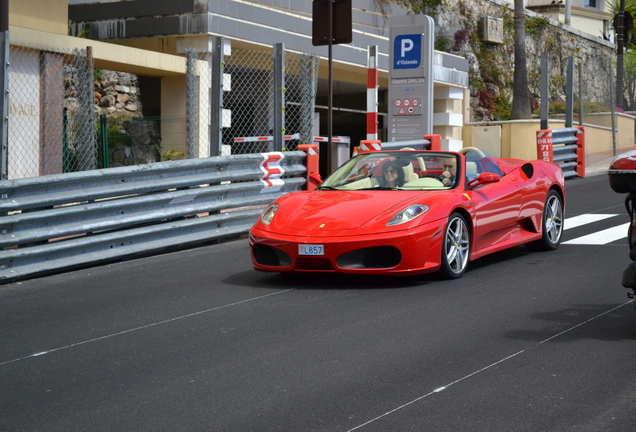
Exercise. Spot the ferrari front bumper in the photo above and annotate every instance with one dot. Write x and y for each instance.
(403, 252)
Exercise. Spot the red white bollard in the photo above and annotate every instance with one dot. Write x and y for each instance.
(580, 151)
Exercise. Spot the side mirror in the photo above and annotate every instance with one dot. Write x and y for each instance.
(315, 179)
(482, 179)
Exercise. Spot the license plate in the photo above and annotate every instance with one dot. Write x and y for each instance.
(306, 249)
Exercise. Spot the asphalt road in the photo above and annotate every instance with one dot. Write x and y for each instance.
(198, 341)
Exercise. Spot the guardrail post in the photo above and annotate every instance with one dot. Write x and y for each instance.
(279, 96)
(4, 93)
(580, 151)
(436, 141)
(370, 145)
(545, 150)
(312, 162)
(216, 96)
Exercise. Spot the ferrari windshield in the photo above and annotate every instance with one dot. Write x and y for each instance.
(397, 170)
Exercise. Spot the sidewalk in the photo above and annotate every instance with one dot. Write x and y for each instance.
(599, 167)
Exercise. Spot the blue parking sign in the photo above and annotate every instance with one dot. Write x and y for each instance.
(407, 51)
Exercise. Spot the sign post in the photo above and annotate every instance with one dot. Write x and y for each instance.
(337, 15)
(411, 77)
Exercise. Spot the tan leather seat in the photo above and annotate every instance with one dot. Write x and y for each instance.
(409, 173)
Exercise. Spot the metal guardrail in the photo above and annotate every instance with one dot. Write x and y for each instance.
(565, 147)
(565, 142)
(57, 222)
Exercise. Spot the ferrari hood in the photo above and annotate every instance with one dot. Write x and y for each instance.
(342, 210)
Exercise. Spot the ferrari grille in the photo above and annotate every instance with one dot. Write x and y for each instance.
(313, 263)
(271, 256)
(373, 257)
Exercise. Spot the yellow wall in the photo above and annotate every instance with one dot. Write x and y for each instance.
(519, 137)
(106, 55)
(173, 104)
(45, 15)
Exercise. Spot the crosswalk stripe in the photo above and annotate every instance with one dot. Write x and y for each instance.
(602, 237)
(584, 219)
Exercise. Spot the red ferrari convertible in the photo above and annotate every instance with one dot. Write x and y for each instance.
(412, 211)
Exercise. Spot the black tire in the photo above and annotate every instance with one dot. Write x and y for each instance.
(551, 224)
(455, 247)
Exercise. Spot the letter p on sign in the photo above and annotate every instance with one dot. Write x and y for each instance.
(407, 45)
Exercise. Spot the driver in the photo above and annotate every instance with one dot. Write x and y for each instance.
(450, 171)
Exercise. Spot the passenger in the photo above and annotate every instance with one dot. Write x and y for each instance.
(450, 171)
(392, 175)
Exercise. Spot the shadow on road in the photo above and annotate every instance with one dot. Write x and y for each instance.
(322, 281)
(610, 322)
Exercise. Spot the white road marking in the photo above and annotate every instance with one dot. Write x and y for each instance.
(144, 327)
(440, 389)
(584, 219)
(602, 237)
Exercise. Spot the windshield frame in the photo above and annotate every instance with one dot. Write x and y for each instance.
(364, 171)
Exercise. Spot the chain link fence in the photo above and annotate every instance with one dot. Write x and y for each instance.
(301, 83)
(250, 100)
(55, 127)
(51, 126)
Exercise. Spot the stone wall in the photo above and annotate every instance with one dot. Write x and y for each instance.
(117, 94)
(132, 140)
(457, 31)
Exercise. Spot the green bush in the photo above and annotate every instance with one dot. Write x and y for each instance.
(502, 109)
(172, 155)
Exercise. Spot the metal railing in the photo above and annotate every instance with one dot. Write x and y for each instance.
(57, 222)
(566, 150)
(565, 147)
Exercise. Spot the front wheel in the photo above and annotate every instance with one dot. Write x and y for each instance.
(455, 248)
(552, 224)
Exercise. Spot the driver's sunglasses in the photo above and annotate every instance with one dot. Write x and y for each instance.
(391, 171)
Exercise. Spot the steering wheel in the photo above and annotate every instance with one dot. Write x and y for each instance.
(434, 176)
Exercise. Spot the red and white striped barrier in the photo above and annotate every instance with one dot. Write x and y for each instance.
(370, 145)
(544, 145)
(265, 138)
(333, 139)
(272, 171)
(372, 94)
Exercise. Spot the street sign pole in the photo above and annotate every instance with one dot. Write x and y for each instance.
(411, 77)
(337, 14)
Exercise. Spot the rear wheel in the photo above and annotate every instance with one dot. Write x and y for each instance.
(552, 224)
(455, 248)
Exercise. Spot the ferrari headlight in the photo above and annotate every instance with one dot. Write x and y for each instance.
(268, 214)
(408, 214)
